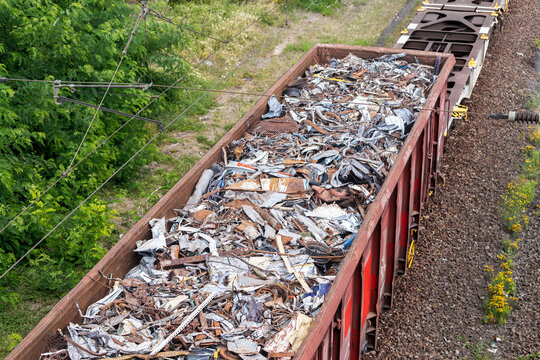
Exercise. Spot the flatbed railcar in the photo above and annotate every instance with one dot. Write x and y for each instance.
(463, 28)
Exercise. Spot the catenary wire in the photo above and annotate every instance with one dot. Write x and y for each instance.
(142, 14)
(256, 51)
(146, 51)
(65, 173)
(331, 101)
(256, 94)
(117, 93)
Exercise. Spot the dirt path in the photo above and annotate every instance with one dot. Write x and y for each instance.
(440, 298)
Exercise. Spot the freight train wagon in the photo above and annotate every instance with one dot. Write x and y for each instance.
(346, 325)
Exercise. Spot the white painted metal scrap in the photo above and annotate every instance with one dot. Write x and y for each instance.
(184, 323)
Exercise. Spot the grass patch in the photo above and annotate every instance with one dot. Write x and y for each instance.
(518, 196)
(478, 351)
(521, 192)
(205, 142)
(533, 103)
(515, 202)
(365, 42)
(301, 46)
(16, 320)
(529, 356)
(325, 7)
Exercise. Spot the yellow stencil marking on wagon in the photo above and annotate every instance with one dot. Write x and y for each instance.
(410, 255)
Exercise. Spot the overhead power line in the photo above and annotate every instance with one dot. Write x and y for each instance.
(78, 102)
(182, 77)
(142, 14)
(256, 51)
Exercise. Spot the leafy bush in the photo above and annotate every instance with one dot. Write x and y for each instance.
(72, 41)
(14, 339)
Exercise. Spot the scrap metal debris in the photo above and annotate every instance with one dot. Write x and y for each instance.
(245, 266)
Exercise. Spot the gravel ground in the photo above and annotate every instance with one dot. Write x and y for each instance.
(440, 298)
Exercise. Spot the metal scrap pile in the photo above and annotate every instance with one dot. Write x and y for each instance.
(245, 266)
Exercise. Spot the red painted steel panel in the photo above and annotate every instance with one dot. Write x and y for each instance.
(346, 323)
(356, 312)
(375, 268)
(423, 171)
(404, 215)
(416, 196)
(414, 191)
(366, 282)
(325, 347)
(383, 257)
(389, 228)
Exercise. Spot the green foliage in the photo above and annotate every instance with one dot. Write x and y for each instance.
(203, 140)
(365, 42)
(325, 7)
(14, 339)
(478, 351)
(17, 319)
(533, 103)
(515, 202)
(529, 356)
(301, 46)
(73, 41)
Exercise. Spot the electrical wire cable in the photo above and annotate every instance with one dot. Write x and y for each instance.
(146, 60)
(256, 51)
(278, 5)
(256, 94)
(117, 94)
(142, 14)
(67, 171)
(324, 100)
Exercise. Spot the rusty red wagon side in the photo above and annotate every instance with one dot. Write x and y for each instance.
(346, 325)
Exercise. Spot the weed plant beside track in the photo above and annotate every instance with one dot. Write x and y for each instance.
(515, 202)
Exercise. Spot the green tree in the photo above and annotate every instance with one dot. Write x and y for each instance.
(72, 41)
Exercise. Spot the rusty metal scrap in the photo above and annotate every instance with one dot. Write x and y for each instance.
(262, 238)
